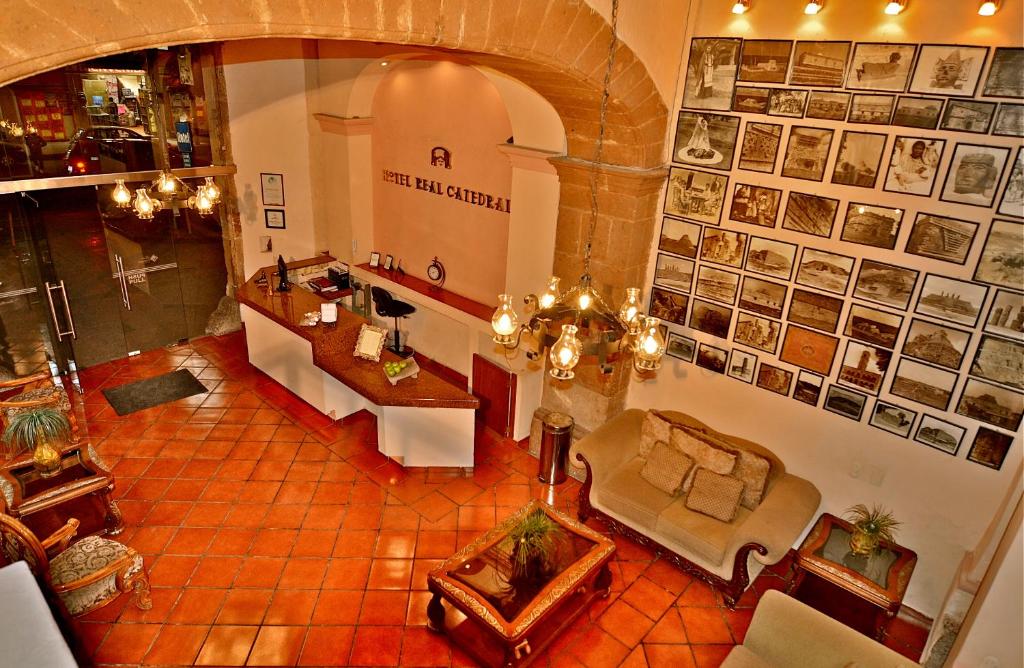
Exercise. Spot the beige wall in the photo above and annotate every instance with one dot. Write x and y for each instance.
(945, 503)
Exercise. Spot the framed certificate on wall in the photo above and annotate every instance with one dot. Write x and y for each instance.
(274, 218)
(272, 187)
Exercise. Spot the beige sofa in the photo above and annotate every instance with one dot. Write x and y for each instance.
(727, 555)
(784, 632)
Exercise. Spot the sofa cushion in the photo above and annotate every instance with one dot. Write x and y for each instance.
(666, 468)
(752, 469)
(715, 495)
(704, 455)
(654, 428)
(626, 493)
(698, 428)
(704, 536)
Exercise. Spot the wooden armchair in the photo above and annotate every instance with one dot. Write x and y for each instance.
(84, 576)
(36, 390)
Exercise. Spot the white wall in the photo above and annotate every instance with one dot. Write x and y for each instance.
(945, 503)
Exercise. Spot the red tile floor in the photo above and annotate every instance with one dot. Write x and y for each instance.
(277, 537)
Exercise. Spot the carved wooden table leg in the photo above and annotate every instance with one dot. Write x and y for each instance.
(794, 582)
(603, 581)
(114, 519)
(435, 614)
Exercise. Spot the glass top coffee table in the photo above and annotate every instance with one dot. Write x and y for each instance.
(502, 621)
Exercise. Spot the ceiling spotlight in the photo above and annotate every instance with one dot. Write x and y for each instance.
(741, 6)
(988, 8)
(814, 6)
(895, 7)
(384, 63)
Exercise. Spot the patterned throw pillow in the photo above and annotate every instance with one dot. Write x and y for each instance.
(715, 495)
(704, 455)
(752, 469)
(666, 468)
(654, 429)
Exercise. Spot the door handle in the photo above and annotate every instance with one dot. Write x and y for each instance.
(125, 297)
(67, 310)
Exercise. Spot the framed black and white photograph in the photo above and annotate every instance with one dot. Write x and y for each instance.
(968, 116)
(1002, 257)
(918, 112)
(765, 60)
(990, 403)
(913, 165)
(926, 385)
(810, 214)
(872, 109)
(1000, 361)
(936, 344)
(828, 105)
(885, 284)
(863, 367)
(1009, 120)
(681, 347)
(762, 297)
(374, 260)
(679, 236)
(989, 448)
(847, 403)
(948, 69)
(389, 262)
(669, 306)
(951, 299)
(788, 102)
(872, 325)
(870, 225)
(770, 257)
(941, 238)
(757, 332)
(751, 99)
(1006, 315)
(272, 189)
(710, 318)
(756, 205)
(807, 153)
(741, 365)
(1012, 201)
(808, 387)
(712, 358)
(695, 194)
(939, 434)
(723, 247)
(877, 66)
(826, 271)
(711, 73)
(706, 140)
(674, 273)
(717, 284)
(274, 219)
(815, 310)
(760, 147)
(774, 379)
(819, 64)
(892, 418)
(1006, 76)
(858, 159)
(974, 174)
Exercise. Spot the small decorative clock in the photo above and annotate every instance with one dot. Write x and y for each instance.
(435, 272)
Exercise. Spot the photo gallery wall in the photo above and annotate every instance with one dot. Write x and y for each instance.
(844, 225)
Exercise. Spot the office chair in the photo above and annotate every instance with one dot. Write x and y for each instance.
(387, 306)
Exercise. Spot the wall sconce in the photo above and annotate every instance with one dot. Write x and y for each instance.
(895, 7)
(813, 7)
(740, 6)
(988, 8)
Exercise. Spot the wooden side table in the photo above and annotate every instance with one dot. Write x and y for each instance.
(81, 490)
(880, 578)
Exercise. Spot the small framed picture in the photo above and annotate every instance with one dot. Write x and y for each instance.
(1004, 77)
(711, 319)
(936, 344)
(669, 306)
(706, 140)
(913, 165)
(924, 384)
(1012, 202)
(809, 350)
(859, 158)
(941, 238)
(760, 147)
(870, 225)
(885, 284)
(948, 69)
(787, 102)
(968, 116)
(819, 64)
(989, 448)
(807, 153)
(274, 218)
(872, 109)
(755, 205)
(918, 112)
(681, 347)
(808, 388)
(711, 72)
(774, 379)
(877, 66)
(272, 189)
(974, 174)
(992, 404)
(674, 273)
(723, 247)
(751, 99)
(389, 261)
(770, 257)
(873, 326)
(374, 260)
(741, 365)
(757, 332)
(892, 418)
(825, 271)
(717, 284)
(765, 60)
(939, 434)
(828, 105)
(1006, 315)
(695, 195)
(370, 342)
(679, 237)
(845, 402)
(1009, 120)
(810, 214)
(764, 297)
(999, 360)
(815, 310)
(951, 299)
(863, 367)
(711, 358)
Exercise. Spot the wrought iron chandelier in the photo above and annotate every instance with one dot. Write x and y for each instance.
(578, 321)
(167, 190)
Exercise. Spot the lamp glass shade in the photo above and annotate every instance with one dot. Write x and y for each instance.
(565, 354)
(550, 295)
(143, 205)
(166, 183)
(121, 195)
(212, 190)
(504, 322)
(630, 310)
(650, 347)
(202, 203)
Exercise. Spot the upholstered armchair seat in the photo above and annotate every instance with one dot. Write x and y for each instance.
(82, 559)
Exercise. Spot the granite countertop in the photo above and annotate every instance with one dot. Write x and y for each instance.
(333, 345)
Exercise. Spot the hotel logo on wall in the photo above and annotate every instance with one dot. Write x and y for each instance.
(441, 157)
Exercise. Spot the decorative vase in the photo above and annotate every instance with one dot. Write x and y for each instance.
(862, 543)
(46, 459)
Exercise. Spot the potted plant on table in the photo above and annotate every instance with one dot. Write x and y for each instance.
(37, 429)
(534, 544)
(870, 527)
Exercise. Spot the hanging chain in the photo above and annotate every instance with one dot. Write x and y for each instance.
(600, 136)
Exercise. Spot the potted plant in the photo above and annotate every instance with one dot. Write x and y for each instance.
(870, 527)
(533, 544)
(37, 429)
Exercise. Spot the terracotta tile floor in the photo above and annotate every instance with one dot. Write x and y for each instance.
(277, 537)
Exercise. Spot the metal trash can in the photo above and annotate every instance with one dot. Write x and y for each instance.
(554, 448)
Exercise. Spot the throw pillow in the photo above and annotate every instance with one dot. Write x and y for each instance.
(704, 455)
(752, 469)
(666, 468)
(654, 429)
(715, 495)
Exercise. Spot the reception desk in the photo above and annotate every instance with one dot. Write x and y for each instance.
(422, 421)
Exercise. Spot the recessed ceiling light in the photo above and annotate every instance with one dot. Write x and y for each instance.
(741, 6)
(988, 7)
(894, 7)
(814, 6)
(384, 63)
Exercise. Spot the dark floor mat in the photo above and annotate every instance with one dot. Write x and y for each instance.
(150, 392)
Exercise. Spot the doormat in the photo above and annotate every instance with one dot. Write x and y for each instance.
(143, 394)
